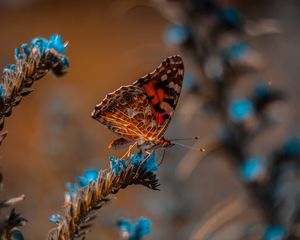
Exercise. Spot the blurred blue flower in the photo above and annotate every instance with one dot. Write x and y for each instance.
(240, 110)
(176, 34)
(2, 90)
(136, 231)
(236, 51)
(292, 147)
(116, 165)
(252, 168)
(262, 90)
(230, 16)
(189, 82)
(274, 232)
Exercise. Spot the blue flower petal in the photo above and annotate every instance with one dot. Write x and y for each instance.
(136, 159)
(56, 43)
(274, 232)
(142, 227)
(252, 168)
(292, 147)
(176, 34)
(82, 181)
(65, 61)
(262, 90)
(39, 43)
(25, 48)
(72, 187)
(136, 231)
(91, 174)
(18, 55)
(230, 16)
(150, 165)
(117, 166)
(125, 225)
(240, 110)
(236, 51)
(2, 91)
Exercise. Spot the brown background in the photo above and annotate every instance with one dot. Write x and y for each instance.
(52, 138)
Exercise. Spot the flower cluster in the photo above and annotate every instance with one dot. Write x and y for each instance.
(9, 225)
(93, 189)
(215, 38)
(136, 231)
(33, 61)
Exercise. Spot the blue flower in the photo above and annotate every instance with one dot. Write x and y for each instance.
(292, 147)
(189, 82)
(2, 91)
(72, 187)
(274, 232)
(262, 90)
(240, 110)
(236, 51)
(136, 159)
(25, 48)
(252, 168)
(65, 61)
(117, 166)
(56, 43)
(18, 55)
(39, 43)
(176, 34)
(88, 176)
(55, 218)
(91, 174)
(230, 16)
(141, 228)
(149, 165)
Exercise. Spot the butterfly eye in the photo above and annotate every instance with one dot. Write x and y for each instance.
(127, 98)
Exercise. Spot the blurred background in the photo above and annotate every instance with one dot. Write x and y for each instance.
(52, 137)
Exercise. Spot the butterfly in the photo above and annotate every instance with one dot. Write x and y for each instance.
(141, 112)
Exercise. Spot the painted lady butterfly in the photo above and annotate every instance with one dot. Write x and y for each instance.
(140, 113)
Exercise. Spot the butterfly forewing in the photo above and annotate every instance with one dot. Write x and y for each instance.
(163, 87)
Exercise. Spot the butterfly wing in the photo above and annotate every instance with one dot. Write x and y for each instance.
(163, 87)
(127, 112)
(144, 109)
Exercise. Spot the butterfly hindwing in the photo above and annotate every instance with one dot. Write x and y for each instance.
(127, 112)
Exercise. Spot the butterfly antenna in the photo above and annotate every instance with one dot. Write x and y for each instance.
(183, 139)
(189, 147)
(163, 156)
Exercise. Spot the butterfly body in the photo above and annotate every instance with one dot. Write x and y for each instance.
(141, 112)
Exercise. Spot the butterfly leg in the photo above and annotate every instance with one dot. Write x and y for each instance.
(127, 154)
